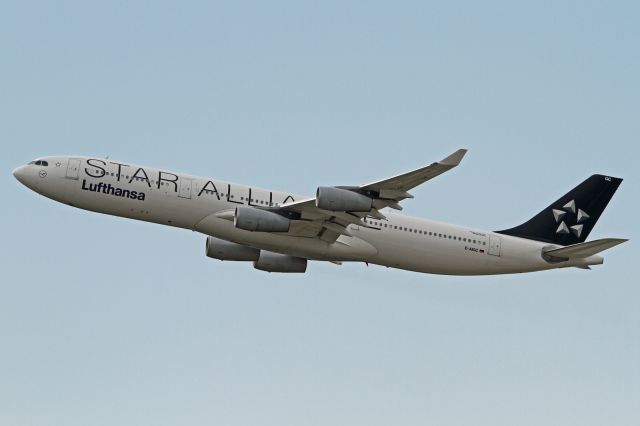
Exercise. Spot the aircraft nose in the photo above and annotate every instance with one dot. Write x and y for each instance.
(20, 174)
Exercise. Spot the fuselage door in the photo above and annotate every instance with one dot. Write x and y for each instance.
(185, 188)
(494, 245)
(73, 168)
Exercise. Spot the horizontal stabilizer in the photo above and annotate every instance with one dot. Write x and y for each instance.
(584, 250)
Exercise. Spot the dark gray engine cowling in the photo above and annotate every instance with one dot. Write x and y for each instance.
(251, 219)
(226, 250)
(342, 200)
(276, 262)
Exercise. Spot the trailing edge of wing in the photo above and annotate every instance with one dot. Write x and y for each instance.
(584, 250)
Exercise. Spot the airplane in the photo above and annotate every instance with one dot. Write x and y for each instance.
(281, 232)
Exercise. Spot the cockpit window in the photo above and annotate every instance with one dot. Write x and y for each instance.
(45, 163)
(40, 163)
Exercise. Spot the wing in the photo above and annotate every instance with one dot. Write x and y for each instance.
(383, 193)
(409, 180)
(395, 188)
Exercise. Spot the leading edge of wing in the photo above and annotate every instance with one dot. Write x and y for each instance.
(409, 180)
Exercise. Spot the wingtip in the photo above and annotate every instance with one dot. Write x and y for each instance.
(455, 158)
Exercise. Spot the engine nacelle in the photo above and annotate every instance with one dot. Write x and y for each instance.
(251, 219)
(342, 200)
(276, 262)
(226, 250)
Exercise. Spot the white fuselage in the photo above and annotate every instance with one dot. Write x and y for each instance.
(191, 202)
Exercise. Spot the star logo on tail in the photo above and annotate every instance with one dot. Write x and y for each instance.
(567, 212)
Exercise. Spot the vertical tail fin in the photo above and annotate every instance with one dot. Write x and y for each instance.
(570, 219)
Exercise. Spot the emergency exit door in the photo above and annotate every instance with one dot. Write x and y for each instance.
(494, 245)
(185, 188)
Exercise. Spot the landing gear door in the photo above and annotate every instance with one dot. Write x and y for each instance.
(185, 188)
(495, 243)
(73, 168)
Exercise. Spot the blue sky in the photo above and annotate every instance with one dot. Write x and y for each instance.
(108, 321)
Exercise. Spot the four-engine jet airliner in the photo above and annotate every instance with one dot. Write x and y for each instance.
(280, 232)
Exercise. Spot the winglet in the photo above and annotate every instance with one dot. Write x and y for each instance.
(454, 159)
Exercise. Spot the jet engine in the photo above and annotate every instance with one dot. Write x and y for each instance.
(251, 219)
(276, 262)
(342, 200)
(226, 250)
